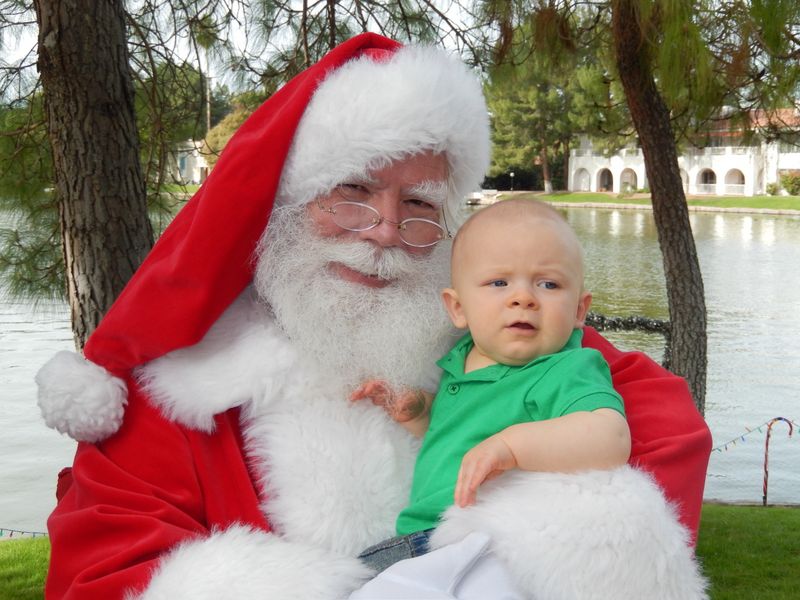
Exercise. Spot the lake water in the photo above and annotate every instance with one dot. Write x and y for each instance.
(750, 269)
(751, 272)
(30, 454)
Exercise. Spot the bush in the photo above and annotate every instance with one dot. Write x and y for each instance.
(791, 183)
(773, 189)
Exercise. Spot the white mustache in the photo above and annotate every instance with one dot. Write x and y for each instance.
(385, 263)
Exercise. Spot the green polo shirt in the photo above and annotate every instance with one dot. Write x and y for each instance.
(471, 407)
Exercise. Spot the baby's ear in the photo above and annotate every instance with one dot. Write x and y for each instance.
(584, 302)
(454, 308)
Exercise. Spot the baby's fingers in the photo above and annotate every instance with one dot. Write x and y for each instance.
(467, 485)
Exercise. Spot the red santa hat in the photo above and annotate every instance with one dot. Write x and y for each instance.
(366, 103)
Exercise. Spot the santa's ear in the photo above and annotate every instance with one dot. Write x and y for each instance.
(584, 302)
(453, 307)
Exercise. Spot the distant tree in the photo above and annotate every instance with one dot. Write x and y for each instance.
(221, 104)
(542, 100)
(598, 108)
(242, 107)
(529, 121)
(171, 109)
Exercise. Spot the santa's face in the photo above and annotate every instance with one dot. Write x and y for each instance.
(364, 304)
(411, 188)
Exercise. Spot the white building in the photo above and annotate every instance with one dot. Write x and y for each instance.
(189, 164)
(725, 167)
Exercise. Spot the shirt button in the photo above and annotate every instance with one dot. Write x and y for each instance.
(452, 388)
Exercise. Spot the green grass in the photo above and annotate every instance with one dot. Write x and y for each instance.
(747, 552)
(741, 202)
(23, 565)
(750, 552)
(758, 202)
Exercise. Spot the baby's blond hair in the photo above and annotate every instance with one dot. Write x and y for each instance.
(514, 209)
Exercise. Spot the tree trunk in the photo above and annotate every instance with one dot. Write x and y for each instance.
(684, 281)
(105, 230)
(548, 181)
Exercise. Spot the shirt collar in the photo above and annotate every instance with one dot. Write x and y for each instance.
(453, 361)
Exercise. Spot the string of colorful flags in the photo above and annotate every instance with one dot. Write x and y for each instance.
(18, 533)
(749, 431)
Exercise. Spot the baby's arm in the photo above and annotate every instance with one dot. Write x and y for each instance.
(410, 408)
(579, 441)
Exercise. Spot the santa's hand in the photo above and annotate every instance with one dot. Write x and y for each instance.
(403, 405)
(376, 390)
(411, 404)
(485, 461)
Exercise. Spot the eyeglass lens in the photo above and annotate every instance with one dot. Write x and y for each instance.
(361, 217)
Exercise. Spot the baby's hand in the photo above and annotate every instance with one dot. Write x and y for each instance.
(403, 405)
(485, 461)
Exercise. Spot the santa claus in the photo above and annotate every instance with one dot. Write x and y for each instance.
(220, 456)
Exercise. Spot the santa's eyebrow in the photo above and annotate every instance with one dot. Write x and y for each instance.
(433, 191)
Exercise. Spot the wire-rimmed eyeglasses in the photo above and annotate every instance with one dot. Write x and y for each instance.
(417, 232)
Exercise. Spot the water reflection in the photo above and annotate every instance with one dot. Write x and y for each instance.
(614, 223)
(639, 221)
(749, 265)
(719, 226)
(767, 237)
(611, 238)
(30, 454)
(747, 229)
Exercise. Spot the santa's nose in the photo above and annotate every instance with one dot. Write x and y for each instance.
(386, 233)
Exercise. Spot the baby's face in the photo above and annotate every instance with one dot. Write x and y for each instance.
(518, 286)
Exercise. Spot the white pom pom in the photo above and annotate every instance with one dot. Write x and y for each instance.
(80, 398)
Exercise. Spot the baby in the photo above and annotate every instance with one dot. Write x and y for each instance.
(518, 390)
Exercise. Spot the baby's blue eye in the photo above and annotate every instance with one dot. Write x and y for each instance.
(498, 283)
(548, 285)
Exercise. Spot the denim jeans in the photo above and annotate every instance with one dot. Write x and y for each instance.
(383, 555)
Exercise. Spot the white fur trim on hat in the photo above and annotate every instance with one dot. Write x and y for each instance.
(80, 398)
(242, 358)
(369, 113)
(248, 564)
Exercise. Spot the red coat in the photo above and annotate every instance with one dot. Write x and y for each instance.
(130, 502)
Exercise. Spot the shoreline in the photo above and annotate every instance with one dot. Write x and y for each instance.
(720, 209)
(751, 504)
(616, 203)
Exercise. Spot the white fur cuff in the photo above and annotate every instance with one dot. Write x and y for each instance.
(595, 535)
(80, 398)
(246, 564)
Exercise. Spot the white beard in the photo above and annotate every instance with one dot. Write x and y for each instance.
(352, 332)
